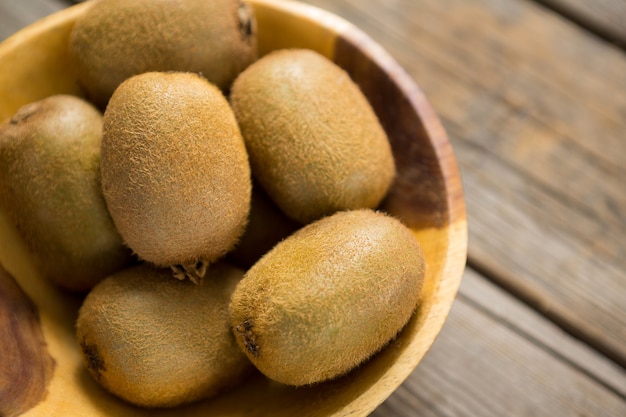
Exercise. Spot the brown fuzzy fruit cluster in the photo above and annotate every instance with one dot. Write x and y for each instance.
(202, 157)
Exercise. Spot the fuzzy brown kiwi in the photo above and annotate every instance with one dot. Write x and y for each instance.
(267, 225)
(50, 189)
(158, 342)
(116, 39)
(328, 297)
(175, 172)
(315, 144)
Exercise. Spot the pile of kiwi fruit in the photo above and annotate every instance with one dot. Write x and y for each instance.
(218, 210)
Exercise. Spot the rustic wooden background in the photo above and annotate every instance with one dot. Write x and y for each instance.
(533, 96)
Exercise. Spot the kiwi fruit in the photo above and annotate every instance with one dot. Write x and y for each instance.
(328, 297)
(116, 39)
(267, 225)
(315, 144)
(175, 172)
(50, 189)
(158, 342)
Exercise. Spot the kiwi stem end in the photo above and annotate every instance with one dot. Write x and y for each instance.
(249, 338)
(94, 361)
(194, 271)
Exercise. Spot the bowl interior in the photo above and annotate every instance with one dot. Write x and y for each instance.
(426, 195)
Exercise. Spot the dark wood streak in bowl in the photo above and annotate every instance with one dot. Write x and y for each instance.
(417, 194)
(26, 366)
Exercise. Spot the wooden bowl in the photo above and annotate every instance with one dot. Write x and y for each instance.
(41, 370)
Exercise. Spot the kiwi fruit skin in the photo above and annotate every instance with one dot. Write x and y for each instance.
(157, 342)
(315, 144)
(175, 171)
(50, 189)
(116, 39)
(267, 225)
(328, 297)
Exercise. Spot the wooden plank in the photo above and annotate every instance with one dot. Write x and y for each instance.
(496, 357)
(606, 18)
(14, 15)
(538, 128)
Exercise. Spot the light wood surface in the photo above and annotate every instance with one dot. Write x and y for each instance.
(535, 105)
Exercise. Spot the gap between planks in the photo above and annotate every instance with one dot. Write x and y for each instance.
(610, 28)
(519, 329)
(495, 356)
(578, 329)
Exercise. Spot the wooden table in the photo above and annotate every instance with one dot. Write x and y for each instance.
(533, 97)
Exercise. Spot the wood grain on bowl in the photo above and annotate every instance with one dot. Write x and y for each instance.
(26, 366)
(426, 195)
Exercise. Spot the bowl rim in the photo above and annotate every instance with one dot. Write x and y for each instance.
(453, 262)
(457, 228)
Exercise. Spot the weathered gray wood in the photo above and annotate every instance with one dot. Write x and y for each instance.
(497, 357)
(535, 108)
(15, 14)
(607, 18)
